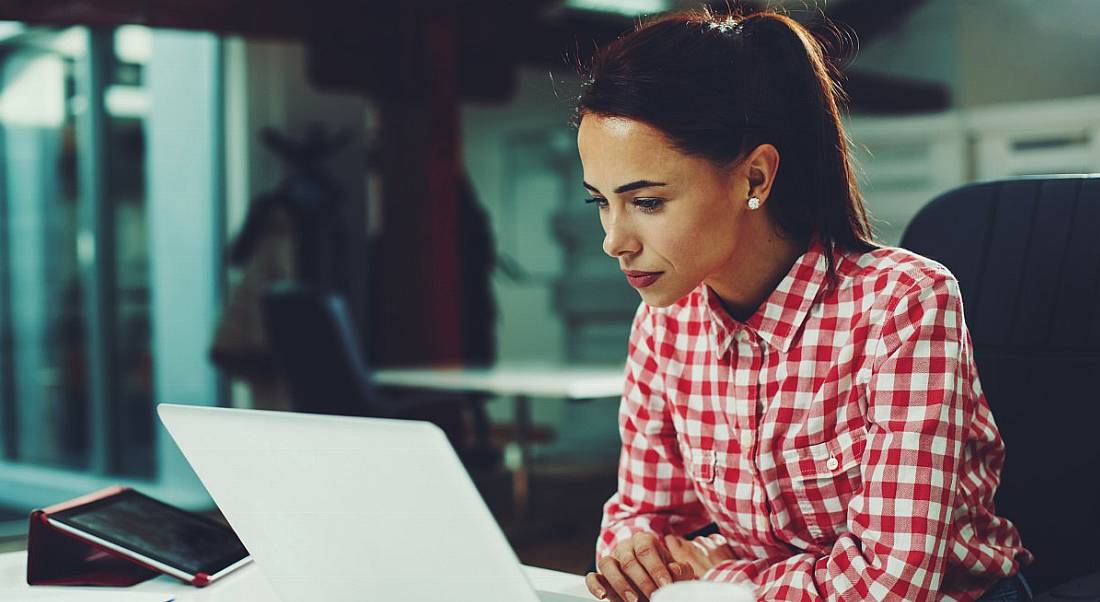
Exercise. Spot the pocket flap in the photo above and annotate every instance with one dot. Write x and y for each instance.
(700, 463)
(829, 458)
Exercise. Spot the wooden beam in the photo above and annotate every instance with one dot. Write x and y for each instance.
(281, 18)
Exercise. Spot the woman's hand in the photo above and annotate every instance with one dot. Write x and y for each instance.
(635, 569)
(700, 554)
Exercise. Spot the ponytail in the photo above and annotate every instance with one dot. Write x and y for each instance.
(718, 87)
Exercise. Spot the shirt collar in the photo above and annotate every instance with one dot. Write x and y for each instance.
(780, 316)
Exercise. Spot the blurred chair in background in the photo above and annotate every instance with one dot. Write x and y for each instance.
(1026, 253)
(296, 232)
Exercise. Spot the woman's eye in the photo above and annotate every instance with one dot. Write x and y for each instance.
(645, 205)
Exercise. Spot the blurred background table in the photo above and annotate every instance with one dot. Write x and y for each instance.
(519, 381)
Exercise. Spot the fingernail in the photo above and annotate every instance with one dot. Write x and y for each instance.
(600, 594)
(630, 597)
(663, 580)
(675, 568)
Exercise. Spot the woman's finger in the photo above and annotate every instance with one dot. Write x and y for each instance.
(682, 566)
(673, 543)
(617, 580)
(696, 554)
(636, 573)
(600, 588)
(682, 571)
(701, 546)
(654, 570)
(677, 549)
(662, 549)
(721, 550)
(706, 543)
(592, 582)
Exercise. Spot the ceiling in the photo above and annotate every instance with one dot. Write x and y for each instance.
(353, 43)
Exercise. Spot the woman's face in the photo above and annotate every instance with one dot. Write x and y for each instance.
(671, 220)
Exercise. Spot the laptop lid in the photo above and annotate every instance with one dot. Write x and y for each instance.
(338, 508)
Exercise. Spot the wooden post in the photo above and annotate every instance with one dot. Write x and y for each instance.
(414, 263)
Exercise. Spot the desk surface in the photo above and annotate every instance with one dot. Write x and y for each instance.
(532, 379)
(244, 585)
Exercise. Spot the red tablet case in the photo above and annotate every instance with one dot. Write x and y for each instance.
(56, 557)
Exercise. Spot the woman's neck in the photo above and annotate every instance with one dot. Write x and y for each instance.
(756, 269)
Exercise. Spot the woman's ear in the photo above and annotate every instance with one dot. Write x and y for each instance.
(761, 166)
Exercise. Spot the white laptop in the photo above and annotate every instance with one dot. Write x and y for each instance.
(351, 509)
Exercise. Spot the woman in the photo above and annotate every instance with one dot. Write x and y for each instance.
(810, 392)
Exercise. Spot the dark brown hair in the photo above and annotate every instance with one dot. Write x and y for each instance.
(718, 86)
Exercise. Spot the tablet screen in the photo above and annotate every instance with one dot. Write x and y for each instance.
(180, 539)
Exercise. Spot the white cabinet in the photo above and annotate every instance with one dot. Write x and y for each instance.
(904, 162)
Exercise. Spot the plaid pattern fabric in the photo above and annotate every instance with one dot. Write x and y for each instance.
(839, 437)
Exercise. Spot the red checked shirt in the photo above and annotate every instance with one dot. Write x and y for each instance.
(839, 437)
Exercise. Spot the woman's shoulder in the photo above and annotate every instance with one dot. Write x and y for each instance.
(889, 269)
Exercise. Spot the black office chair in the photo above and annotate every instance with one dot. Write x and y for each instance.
(1026, 253)
(316, 349)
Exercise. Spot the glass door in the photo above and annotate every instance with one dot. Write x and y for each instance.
(44, 380)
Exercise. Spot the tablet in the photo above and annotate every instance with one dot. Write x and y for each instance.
(185, 545)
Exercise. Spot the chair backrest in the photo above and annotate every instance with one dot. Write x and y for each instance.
(1026, 253)
(318, 352)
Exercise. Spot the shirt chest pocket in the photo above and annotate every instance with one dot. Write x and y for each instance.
(702, 467)
(701, 464)
(818, 480)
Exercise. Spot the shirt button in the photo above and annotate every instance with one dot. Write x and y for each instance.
(743, 335)
(832, 464)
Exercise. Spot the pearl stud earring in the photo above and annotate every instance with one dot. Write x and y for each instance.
(754, 203)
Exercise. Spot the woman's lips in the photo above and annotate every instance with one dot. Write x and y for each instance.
(641, 279)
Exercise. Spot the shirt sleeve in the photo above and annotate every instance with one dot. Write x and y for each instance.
(899, 524)
(654, 492)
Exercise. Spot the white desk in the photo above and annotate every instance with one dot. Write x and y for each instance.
(528, 380)
(245, 585)
(521, 382)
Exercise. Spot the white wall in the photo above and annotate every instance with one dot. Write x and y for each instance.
(266, 86)
(994, 51)
(1017, 50)
(527, 327)
(183, 199)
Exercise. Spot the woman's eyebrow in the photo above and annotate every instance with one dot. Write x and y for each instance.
(628, 187)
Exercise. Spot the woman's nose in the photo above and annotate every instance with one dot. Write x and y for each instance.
(619, 241)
